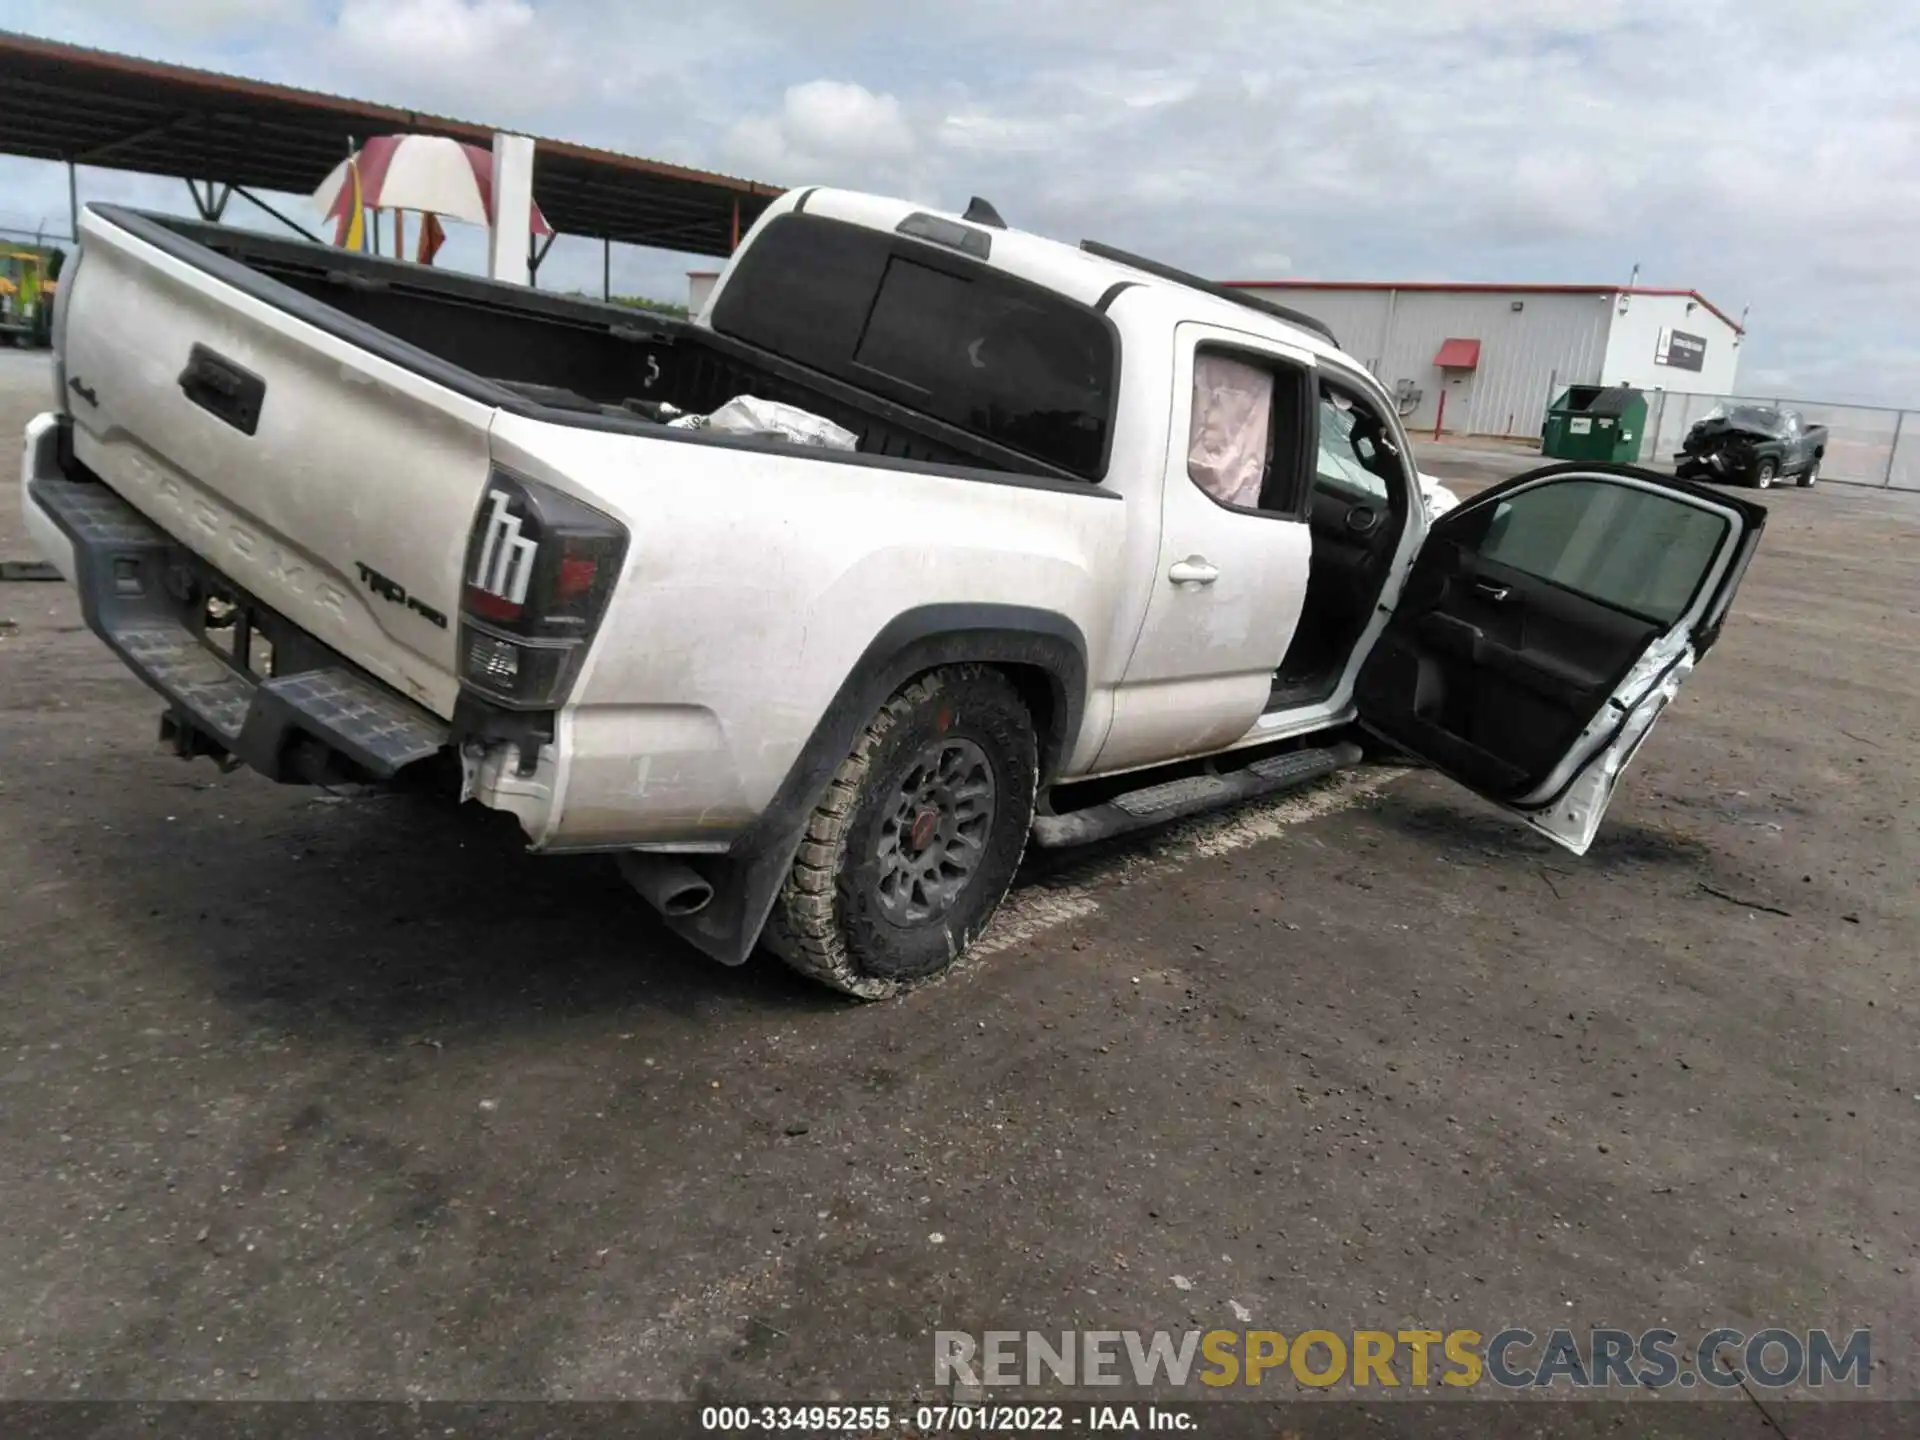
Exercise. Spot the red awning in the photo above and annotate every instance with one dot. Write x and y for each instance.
(1458, 355)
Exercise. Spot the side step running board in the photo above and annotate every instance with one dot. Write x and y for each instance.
(1176, 799)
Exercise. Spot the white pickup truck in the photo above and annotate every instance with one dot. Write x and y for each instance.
(1115, 545)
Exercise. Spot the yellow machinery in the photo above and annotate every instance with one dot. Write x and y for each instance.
(27, 286)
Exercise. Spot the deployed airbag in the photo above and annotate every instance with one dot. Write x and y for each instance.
(1232, 410)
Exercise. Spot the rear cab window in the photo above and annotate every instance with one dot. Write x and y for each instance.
(943, 334)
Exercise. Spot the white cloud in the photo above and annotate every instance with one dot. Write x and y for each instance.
(192, 19)
(973, 131)
(499, 54)
(832, 117)
(456, 33)
(826, 130)
(1263, 265)
(1135, 89)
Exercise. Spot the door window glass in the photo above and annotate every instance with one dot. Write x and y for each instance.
(1637, 550)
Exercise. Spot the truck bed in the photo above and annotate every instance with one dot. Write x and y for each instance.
(586, 359)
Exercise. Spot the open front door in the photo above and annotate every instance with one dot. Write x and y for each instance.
(1545, 626)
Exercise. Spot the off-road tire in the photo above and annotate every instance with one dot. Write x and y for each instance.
(1810, 476)
(828, 921)
(1764, 472)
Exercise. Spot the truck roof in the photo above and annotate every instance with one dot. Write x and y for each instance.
(1066, 269)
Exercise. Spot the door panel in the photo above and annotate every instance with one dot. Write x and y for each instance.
(1505, 667)
(1229, 583)
(1544, 627)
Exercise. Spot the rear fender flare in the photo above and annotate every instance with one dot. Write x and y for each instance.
(1040, 645)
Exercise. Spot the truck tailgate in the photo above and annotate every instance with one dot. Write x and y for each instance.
(334, 485)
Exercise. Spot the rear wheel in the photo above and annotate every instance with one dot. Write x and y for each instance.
(1811, 476)
(915, 842)
(1764, 472)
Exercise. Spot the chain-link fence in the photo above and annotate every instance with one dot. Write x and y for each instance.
(1866, 445)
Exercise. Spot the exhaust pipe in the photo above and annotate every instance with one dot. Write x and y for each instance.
(671, 886)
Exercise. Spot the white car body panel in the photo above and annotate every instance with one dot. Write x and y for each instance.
(747, 613)
(1438, 497)
(357, 460)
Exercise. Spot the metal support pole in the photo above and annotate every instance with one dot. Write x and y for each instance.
(736, 224)
(213, 204)
(73, 201)
(1893, 450)
(294, 225)
(535, 254)
(606, 268)
(1385, 347)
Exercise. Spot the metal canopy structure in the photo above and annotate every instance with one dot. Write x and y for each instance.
(92, 107)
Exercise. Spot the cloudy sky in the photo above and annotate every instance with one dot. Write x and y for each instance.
(1765, 152)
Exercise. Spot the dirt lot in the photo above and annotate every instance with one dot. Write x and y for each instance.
(307, 1096)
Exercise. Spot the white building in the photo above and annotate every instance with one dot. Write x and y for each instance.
(1501, 354)
(700, 285)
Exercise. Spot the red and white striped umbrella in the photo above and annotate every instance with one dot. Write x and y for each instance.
(419, 172)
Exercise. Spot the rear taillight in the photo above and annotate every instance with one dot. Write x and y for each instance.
(540, 566)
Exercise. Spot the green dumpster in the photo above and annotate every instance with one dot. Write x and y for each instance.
(1595, 422)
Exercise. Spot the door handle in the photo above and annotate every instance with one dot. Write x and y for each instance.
(1194, 570)
(1491, 591)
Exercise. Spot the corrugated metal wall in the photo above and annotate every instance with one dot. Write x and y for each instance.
(1358, 317)
(1526, 356)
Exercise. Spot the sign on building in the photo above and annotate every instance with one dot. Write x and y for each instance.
(1681, 350)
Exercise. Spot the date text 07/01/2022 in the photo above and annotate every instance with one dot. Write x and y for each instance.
(943, 1419)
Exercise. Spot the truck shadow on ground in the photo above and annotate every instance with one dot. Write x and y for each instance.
(392, 914)
(1621, 843)
(388, 915)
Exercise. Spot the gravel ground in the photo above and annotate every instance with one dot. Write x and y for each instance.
(353, 1098)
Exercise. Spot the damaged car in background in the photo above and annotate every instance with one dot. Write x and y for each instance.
(1752, 445)
(925, 540)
